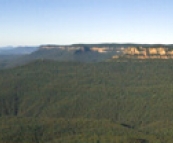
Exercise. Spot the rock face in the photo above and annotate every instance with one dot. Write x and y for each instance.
(147, 53)
(81, 48)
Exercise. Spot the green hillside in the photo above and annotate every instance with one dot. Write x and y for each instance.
(75, 56)
(109, 102)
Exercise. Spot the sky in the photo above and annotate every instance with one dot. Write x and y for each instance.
(38, 22)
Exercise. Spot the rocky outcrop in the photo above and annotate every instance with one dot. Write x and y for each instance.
(147, 53)
(100, 50)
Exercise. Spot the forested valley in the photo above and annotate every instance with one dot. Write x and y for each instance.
(118, 101)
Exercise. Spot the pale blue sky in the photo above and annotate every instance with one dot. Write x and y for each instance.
(35, 22)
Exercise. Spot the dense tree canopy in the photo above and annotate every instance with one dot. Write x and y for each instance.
(119, 101)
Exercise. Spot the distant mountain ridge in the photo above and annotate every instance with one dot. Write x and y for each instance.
(17, 50)
(11, 57)
(101, 48)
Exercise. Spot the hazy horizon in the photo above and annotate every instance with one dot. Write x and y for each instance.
(65, 22)
(16, 46)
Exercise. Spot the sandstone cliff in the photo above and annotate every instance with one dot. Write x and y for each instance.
(147, 53)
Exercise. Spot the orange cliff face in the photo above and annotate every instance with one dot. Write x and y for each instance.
(102, 49)
(147, 53)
